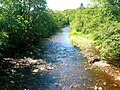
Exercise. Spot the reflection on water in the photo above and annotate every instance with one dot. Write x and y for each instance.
(69, 72)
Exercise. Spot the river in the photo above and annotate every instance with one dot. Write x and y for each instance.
(69, 73)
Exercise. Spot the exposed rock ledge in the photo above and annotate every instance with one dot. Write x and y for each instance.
(96, 63)
(34, 65)
(107, 68)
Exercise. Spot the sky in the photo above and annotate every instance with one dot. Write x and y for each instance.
(65, 4)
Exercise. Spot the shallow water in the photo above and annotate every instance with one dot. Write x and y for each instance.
(69, 71)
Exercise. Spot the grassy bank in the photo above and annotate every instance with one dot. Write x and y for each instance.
(88, 46)
(81, 41)
(85, 44)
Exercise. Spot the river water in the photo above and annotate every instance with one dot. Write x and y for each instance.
(69, 73)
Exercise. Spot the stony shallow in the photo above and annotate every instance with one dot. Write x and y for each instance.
(54, 65)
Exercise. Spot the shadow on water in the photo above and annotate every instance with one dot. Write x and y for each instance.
(69, 72)
(12, 78)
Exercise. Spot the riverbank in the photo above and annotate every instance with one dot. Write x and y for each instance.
(94, 60)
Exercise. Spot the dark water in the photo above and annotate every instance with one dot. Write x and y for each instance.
(69, 72)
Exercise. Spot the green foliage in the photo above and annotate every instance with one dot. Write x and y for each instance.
(100, 24)
(109, 38)
(24, 22)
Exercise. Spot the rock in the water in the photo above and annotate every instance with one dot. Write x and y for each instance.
(57, 84)
(35, 70)
(31, 61)
(104, 83)
(100, 88)
(94, 60)
(33, 65)
(50, 68)
(42, 68)
(97, 88)
(12, 81)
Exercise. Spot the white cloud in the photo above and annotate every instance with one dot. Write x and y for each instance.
(65, 4)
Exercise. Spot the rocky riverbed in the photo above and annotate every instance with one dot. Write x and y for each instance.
(108, 69)
(94, 62)
(33, 64)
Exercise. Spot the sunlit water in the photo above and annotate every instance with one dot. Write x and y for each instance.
(69, 72)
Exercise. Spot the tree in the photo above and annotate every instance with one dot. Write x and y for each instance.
(81, 5)
(99, 23)
(23, 23)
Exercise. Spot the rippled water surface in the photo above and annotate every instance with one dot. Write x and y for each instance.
(69, 72)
